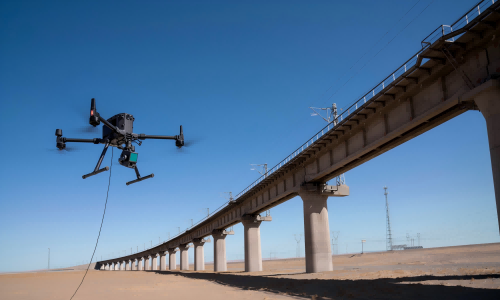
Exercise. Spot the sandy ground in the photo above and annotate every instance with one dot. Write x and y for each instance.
(464, 272)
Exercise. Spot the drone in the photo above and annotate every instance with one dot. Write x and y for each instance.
(117, 132)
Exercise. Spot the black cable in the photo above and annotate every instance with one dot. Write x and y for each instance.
(370, 49)
(102, 221)
(381, 49)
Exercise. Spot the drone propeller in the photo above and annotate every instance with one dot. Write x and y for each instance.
(66, 150)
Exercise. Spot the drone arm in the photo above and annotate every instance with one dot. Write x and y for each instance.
(94, 141)
(142, 136)
(107, 123)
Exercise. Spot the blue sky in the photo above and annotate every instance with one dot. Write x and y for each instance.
(239, 76)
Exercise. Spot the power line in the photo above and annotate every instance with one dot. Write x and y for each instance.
(102, 221)
(370, 49)
(381, 49)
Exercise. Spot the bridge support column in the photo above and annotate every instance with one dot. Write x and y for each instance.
(140, 264)
(253, 250)
(123, 266)
(199, 255)
(316, 227)
(163, 261)
(127, 266)
(488, 102)
(172, 264)
(220, 264)
(184, 256)
(155, 262)
(147, 263)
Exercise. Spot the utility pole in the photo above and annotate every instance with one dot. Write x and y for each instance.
(48, 264)
(331, 117)
(362, 243)
(262, 169)
(388, 234)
(298, 237)
(230, 196)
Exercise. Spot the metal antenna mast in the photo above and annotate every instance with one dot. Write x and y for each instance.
(335, 242)
(230, 196)
(298, 237)
(331, 117)
(388, 229)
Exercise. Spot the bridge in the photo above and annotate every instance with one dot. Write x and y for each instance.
(456, 70)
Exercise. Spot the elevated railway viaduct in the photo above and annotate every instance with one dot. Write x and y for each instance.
(455, 71)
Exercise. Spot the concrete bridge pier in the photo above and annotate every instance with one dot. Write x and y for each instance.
(220, 264)
(123, 266)
(147, 263)
(154, 262)
(140, 264)
(127, 266)
(488, 102)
(253, 250)
(316, 226)
(184, 256)
(163, 261)
(199, 255)
(172, 264)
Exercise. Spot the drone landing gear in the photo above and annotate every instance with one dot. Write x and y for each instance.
(139, 178)
(97, 170)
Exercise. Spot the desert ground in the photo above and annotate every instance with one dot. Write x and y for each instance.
(462, 272)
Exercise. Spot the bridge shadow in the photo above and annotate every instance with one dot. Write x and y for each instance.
(383, 288)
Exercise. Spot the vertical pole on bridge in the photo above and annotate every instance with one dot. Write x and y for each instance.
(488, 102)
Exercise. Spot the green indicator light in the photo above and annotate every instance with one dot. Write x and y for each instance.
(133, 157)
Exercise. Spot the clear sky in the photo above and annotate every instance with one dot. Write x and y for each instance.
(240, 77)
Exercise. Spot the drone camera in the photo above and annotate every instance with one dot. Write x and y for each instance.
(128, 159)
(94, 116)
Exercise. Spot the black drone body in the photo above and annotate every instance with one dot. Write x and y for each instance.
(117, 132)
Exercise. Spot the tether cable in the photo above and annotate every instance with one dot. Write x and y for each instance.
(102, 221)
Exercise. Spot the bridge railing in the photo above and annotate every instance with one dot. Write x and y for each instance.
(470, 15)
(349, 111)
